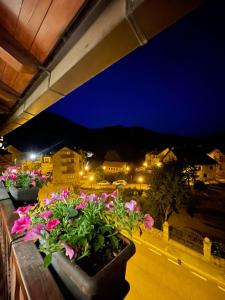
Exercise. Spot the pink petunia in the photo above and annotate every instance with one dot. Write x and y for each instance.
(113, 194)
(52, 224)
(33, 183)
(65, 193)
(21, 225)
(148, 221)
(22, 211)
(92, 198)
(131, 205)
(82, 205)
(46, 214)
(34, 233)
(71, 252)
(48, 201)
(105, 196)
(110, 205)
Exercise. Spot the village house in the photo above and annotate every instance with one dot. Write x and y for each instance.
(67, 164)
(115, 167)
(205, 165)
(219, 156)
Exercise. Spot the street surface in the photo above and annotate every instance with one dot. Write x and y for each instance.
(154, 276)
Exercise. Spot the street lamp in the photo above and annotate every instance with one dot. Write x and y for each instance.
(145, 164)
(81, 173)
(32, 156)
(140, 179)
(159, 164)
(91, 178)
(127, 168)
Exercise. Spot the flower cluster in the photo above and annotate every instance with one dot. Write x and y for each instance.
(79, 225)
(14, 176)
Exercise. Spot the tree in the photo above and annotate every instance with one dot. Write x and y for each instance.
(99, 174)
(168, 192)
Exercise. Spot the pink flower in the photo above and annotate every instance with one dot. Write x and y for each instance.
(92, 198)
(131, 205)
(105, 196)
(71, 252)
(54, 196)
(12, 177)
(82, 205)
(110, 205)
(34, 233)
(22, 211)
(52, 224)
(83, 195)
(113, 194)
(21, 225)
(46, 214)
(48, 201)
(148, 221)
(33, 183)
(65, 192)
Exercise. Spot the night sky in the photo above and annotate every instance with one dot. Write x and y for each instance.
(174, 84)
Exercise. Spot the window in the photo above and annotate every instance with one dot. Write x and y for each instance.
(205, 175)
(211, 167)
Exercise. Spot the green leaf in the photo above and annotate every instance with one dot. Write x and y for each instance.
(114, 241)
(47, 260)
(99, 242)
(72, 212)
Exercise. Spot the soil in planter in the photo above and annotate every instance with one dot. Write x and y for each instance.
(96, 261)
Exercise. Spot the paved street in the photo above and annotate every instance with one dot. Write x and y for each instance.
(152, 275)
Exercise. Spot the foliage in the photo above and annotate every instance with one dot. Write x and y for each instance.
(14, 176)
(168, 192)
(79, 225)
(99, 174)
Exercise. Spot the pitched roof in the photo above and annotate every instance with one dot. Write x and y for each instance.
(194, 156)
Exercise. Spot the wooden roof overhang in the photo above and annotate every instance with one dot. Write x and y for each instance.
(50, 47)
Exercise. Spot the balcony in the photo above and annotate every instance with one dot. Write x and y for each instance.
(23, 275)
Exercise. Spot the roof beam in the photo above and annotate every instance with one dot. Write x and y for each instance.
(4, 109)
(12, 53)
(6, 93)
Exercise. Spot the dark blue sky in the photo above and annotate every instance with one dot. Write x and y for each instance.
(174, 84)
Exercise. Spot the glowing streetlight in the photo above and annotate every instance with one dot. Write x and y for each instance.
(145, 164)
(91, 178)
(81, 173)
(86, 168)
(127, 168)
(33, 156)
(159, 164)
(140, 179)
(103, 167)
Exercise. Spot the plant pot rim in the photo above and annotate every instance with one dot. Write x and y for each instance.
(127, 252)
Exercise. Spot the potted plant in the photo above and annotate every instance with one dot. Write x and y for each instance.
(23, 185)
(87, 229)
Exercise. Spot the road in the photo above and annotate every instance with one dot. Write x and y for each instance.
(154, 276)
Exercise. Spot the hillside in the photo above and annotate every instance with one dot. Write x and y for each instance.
(131, 143)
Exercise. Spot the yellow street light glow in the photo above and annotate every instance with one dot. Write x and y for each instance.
(159, 164)
(145, 164)
(127, 168)
(140, 179)
(104, 167)
(86, 168)
(91, 178)
(81, 173)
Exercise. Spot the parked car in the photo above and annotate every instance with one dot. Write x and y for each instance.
(104, 182)
(120, 182)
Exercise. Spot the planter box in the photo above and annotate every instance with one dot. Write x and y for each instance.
(108, 284)
(24, 194)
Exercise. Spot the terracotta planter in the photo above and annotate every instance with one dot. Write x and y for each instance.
(24, 194)
(109, 283)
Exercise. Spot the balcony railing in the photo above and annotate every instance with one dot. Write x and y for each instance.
(23, 275)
